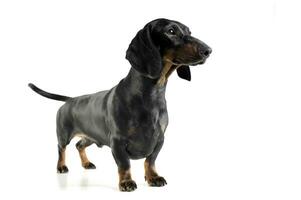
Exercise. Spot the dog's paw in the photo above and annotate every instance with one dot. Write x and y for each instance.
(89, 165)
(62, 169)
(127, 186)
(157, 181)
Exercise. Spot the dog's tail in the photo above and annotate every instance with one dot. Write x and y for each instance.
(47, 94)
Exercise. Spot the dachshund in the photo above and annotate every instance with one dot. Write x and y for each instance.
(131, 118)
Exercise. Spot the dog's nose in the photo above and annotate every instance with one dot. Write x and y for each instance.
(205, 51)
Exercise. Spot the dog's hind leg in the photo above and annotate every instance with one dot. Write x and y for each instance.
(61, 165)
(65, 133)
(63, 140)
(64, 137)
(81, 146)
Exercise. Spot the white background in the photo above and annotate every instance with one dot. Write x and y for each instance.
(234, 130)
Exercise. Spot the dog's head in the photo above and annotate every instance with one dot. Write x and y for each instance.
(164, 45)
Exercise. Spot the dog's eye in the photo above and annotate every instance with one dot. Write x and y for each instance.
(171, 31)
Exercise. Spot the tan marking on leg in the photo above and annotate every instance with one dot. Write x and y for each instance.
(124, 175)
(83, 157)
(62, 157)
(126, 183)
(152, 177)
(150, 171)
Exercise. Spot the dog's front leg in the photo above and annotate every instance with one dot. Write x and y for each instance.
(124, 168)
(151, 175)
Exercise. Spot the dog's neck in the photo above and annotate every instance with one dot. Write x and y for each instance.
(140, 85)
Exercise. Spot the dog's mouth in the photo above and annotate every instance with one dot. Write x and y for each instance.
(176, 63)
(192, 62)
(171, 65)
(199, 62)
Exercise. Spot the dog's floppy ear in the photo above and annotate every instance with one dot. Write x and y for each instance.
(184, 72)
(143, 55)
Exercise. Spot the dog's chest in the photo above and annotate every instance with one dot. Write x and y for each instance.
(144, 133)
(145, 123)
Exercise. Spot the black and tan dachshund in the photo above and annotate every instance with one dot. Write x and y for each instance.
(131, 118)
